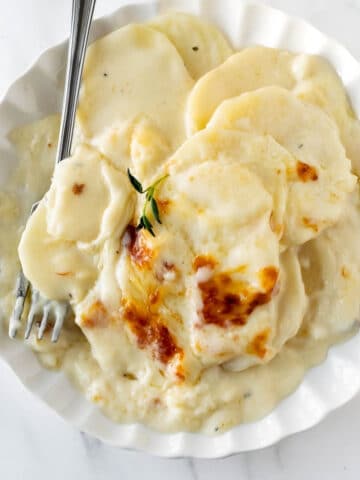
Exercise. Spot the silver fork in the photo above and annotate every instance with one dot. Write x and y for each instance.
(82, 13)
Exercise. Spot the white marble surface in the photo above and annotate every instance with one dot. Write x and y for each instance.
(34, 442)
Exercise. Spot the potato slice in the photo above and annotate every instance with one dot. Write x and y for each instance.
(201, 45)
(89, 200)
(244, 71)
(320, 177)
(286, 317)
(57, 268)
(310, 77)
(222, 204)
(130, 72)
(332, 276)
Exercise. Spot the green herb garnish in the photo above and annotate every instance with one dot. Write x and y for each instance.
(144, 221)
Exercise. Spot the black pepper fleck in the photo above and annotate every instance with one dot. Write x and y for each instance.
(195, 49)
(105, 74)
(301, 145)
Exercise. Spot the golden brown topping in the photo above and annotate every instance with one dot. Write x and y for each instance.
(97, 398)
(345, 272)
(304, 331)
(78, 188)
(204, 261)
(156, 402)
(180, 373)
(151, 332)
(64, 274)
(164, 205)
(140, 253)
(306, 172)
(48, 327)
(169, 267)
(272, 222)
(258, 344)
(154, 297)
(310, 224)
(228, 302)
(268, 278)
(96, 316)
(276, 227)
(164, 270)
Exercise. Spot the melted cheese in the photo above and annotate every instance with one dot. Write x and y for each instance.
(337, 276)
(137, 144)
(258, 154)
(99, 196)
(212, 178)
(201, 45)
(320, 174)
(311, 78)
(53, 246)
(58, 269)
(134, 71)
(166, 327)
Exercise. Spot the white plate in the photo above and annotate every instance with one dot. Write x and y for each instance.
(37, 94)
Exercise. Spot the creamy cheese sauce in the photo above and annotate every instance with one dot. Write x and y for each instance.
(254, 270)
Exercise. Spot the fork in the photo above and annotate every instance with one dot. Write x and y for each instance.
(82, 13)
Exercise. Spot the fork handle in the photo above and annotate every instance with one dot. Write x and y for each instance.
(82, 12)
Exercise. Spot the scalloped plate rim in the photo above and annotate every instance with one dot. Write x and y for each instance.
(188, 443)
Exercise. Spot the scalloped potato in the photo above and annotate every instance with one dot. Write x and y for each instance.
(204, 284)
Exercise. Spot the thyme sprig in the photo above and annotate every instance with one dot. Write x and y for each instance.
(149, 192)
